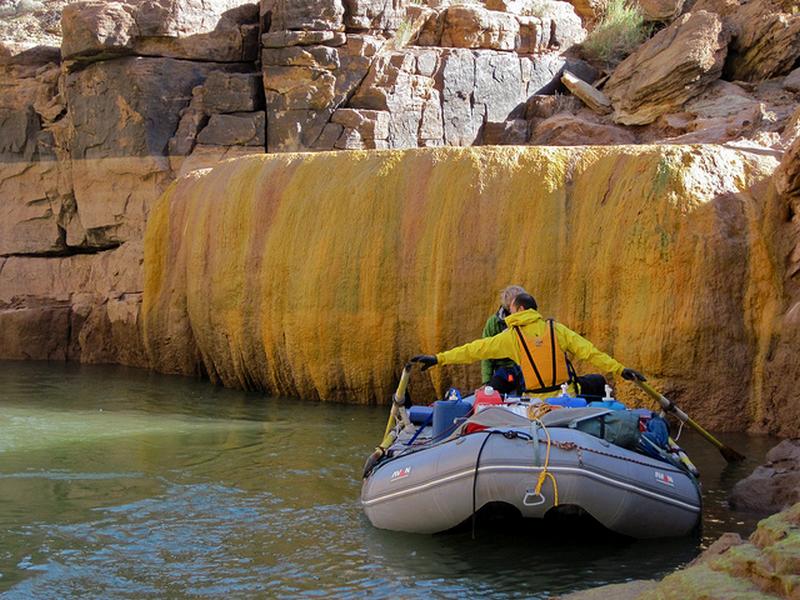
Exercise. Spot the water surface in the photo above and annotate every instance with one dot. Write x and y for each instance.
(118, 483)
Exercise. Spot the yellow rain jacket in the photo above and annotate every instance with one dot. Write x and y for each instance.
(506, 345)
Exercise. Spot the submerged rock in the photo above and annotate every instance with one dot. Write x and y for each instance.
(773, 486)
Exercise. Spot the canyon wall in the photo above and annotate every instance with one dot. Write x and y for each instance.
(320, 275)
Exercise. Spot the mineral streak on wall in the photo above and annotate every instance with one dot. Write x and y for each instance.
(320, 275)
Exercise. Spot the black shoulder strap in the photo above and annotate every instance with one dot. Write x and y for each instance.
(552, 349)
(530, 357)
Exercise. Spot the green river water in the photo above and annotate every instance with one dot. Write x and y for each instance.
(118, 483)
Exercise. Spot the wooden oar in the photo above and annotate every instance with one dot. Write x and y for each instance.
(397, 409)
(728, 453)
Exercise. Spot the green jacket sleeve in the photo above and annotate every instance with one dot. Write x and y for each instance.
(491, 328)
(583, 349)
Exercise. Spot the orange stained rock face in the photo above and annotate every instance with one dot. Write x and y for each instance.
(319, 275)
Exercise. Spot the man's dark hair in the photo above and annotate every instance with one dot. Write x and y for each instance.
(525, 301)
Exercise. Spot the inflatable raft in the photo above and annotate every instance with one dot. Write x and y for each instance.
(440, 465)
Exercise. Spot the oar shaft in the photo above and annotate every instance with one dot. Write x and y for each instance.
(692, 423)
(397, 401)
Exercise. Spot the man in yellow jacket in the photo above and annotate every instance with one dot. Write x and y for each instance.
(540, 346)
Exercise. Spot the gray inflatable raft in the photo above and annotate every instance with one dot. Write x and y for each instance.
(429, 487)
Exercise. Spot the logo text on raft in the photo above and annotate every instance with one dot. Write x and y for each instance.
(401, 473)
(665, 479)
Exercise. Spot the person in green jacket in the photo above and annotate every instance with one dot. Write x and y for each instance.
(502, 374)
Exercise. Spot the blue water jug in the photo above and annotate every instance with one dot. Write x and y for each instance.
(420, 415)
(445, 413)
(566, 402)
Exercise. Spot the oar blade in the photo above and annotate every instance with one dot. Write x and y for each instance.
(731, 455)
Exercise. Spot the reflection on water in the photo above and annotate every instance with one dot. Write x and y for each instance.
(120, 483)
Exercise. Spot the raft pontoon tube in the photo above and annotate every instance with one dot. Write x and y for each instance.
(426, 483)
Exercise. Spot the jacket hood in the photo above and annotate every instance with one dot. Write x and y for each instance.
(523, 317)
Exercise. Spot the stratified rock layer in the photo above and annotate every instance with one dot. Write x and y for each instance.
(319, 275)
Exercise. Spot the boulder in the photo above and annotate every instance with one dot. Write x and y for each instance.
(513, 132)
(544, 106)
(216, 30)
(534, 29)
(723, 8)
(563, 23)
(589, 95)
(570, 130)
(370, 124)
(224, 92)
(767, 41)
(470, 26)
(237, 129)
(660, 10)
(764, 566)
(305, 85)
(724, 112)
(29, 102)
(672, 67)
(307, 15)
(773, 486)
(395, 84)
(590, 11)
(792, 81)
(374, 14)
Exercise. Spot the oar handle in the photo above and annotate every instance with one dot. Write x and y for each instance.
(402, 385)
(667, 404)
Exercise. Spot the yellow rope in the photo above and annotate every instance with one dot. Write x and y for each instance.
(545, 474)
(537, 411)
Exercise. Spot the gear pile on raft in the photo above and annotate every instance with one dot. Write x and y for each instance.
(555, 446)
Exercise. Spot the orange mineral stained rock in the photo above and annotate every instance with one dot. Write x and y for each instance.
(320, 274)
